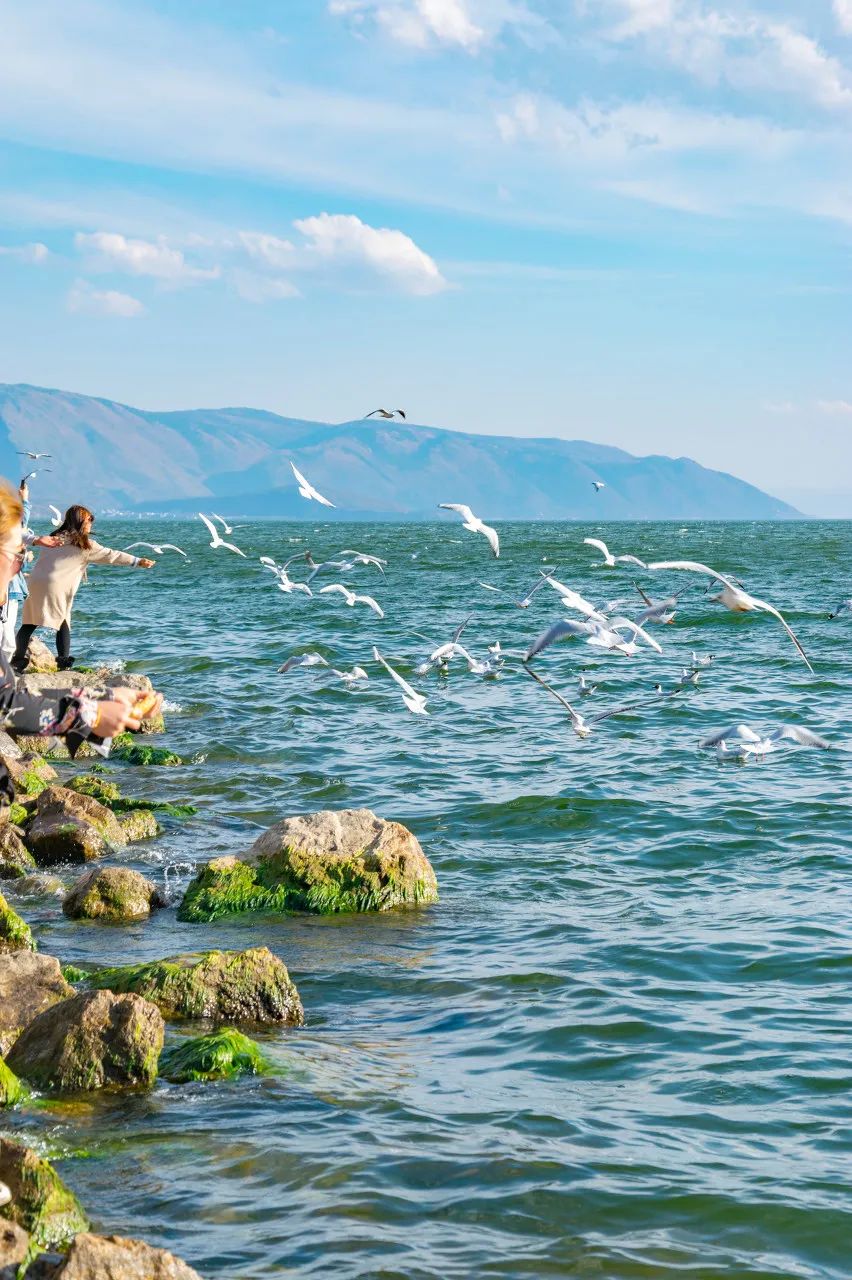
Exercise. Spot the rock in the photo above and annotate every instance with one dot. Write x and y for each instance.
(14, 1243)
(15, 859)
(68, 827)
(220, 1056)
(12, 1090)
(39, 657)
(103, 678)
(324, 862)
(29, 984)
(40, 1203)
(227, 986)
(15, 933)
(92, 784)
(92, 1041)
(125, 748)
(112, 893)
(139, 824)
(115, 1258)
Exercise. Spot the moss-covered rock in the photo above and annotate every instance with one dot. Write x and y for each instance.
(227, 986)
(139, 753)
(68, 827)
(29, 984)
(321, 862)
(139, 824)
(94, 1040)
(40, 1203)
(112, 894)
(30, 773)
(73, 973)
(95, 785)
(12, 1090)
(40, 660)
(18, 814)
(222, 1055)
(15, 933)
(16, 860)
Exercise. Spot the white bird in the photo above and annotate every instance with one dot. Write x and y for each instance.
(307, 490)
(386, 413)
(578, 723)
(351, 598)
(474, 524)
(586, 689)
(285, 583)
(216, 540)
(303, 660)
(662, 611)
(47, 471)
(343, 565)
(626, 624)
(573, 600)
(732, 596)
(415, 701)
(597, 485)
(591, 632)
(442, 653)
(741, 741)
(687, 677)
(527, 599)
(845, 607)
(702, 661)
(609, 560)
(226, 528)
(25, 453)
(489, 668)
(361, 557)
(56, 515)
(158, 550)
(351, 677)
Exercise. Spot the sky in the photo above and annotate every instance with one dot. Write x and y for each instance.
(627, 221)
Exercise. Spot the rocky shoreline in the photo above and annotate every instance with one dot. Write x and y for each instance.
(67, 1031)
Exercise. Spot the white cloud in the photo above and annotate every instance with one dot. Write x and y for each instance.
(834, 406)
(113, 252)
(339, 239)
(254, 287)
(463, 24)
(84, 299)
(843, 15)
(269, 250)
(34, 254)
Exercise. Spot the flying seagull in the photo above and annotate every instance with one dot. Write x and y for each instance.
(32, 474)
(732, 596)
(56, 515)
(415, 701)
(303, 660)
(845, 607)
(474, 524)
(217, 541)
(351, 598)
(741, 741)
(386, 413)
(158, 550)
(527, 599)
(25, 453)
(351, 677)
(597, 485)
(307, 490)
(226, 528)
(609, 560)
(442, 653)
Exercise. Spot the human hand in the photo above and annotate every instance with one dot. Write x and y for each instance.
(47, 540)
(24, 489)
(146, 564)
(121, 711)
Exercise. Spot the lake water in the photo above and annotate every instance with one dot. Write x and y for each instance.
(619, 1045)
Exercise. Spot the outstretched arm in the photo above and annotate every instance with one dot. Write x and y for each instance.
(105, 555)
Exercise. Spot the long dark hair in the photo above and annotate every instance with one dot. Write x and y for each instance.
(72, 527)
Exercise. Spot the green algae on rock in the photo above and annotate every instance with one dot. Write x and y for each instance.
(12, 1090)
(40, 1203)
(222, 1055)
(324, 863)
(16, 860)
(126, 748)
(112, 894)
(71, 973)
(15, 934)
(227, 986)
(139, 824)
(90, 784)
(68, 827)
(94, 1040)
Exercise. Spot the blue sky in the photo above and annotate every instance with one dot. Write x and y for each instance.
(622, 220)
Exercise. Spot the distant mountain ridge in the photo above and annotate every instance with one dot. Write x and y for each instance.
(108, 454)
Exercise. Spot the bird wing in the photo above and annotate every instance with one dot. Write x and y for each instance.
(487, 586)
(149, 545)
(333, 586)
(493, 538)
(619, 624)
(373, 413)
(373, 604)
(319, 498)
(768, 608)
(56, 512)
(459, 629)
(227, 528)
(552, 691)
(742, 732)
(631, 560)
(564, 627)
(401, 681)
(300, 478)
(229, 546)
(214, 532)
(596, 542)
(168, 546)
(795, 733)
(464, 511)
(691, 566)
(401, 413)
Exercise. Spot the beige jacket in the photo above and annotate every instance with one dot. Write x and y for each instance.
(55, 577)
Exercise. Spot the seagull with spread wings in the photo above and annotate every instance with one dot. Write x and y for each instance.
(216, 540)
(609, 560)
(307, 490)
(386, 413)
(158, 550)
(415, 701)
(473, 524)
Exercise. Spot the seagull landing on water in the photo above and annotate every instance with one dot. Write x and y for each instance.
(442, 653)
(352, 599)
(216, 540)
(307, 490)
(732, 596)
(741, 742)
(597, 485)
(36, 457)
(55, 515)
(158, 550)
(609, 560)
(585, 689)
(415, 701)
(302, 660)
(385, 413)
(473, 524)
(350, 677)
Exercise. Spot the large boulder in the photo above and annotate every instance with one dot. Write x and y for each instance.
(29, 984)
(94, 1040)
(112, 893)
(349, 860)
(15, 933)
(116, 1258)
(68, 827)
(39, 657)
(103, 678)
(14, 1245)
(40, 1202)
(16, 860)
(138, 824)
(222, 1055)
(227, 986)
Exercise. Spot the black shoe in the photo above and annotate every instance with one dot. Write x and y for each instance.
(65, 664)
(19, 665)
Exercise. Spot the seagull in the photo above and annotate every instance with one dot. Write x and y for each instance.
(307, 490)
(217, 541)
(343, 565)
(741, 741)
(592, 632)
(415, 701)
(158, 550)
(698, 661)
(351, 677)
(688, 677)
(732, 596)
(25, 453)
(580, 726)
(526, 601)
(386, 413)
(303, 660)
(573, 600)
(845, 607)
(474, 524)
(610, 561)
(226, 528)
(586, 689)
(660, 610)
(351, 598)
(47, 471)
(489, 668)
(597, 485)
(56, 515)
(361, 557)
(441, 654)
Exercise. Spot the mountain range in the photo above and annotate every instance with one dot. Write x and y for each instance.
(109, 455)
